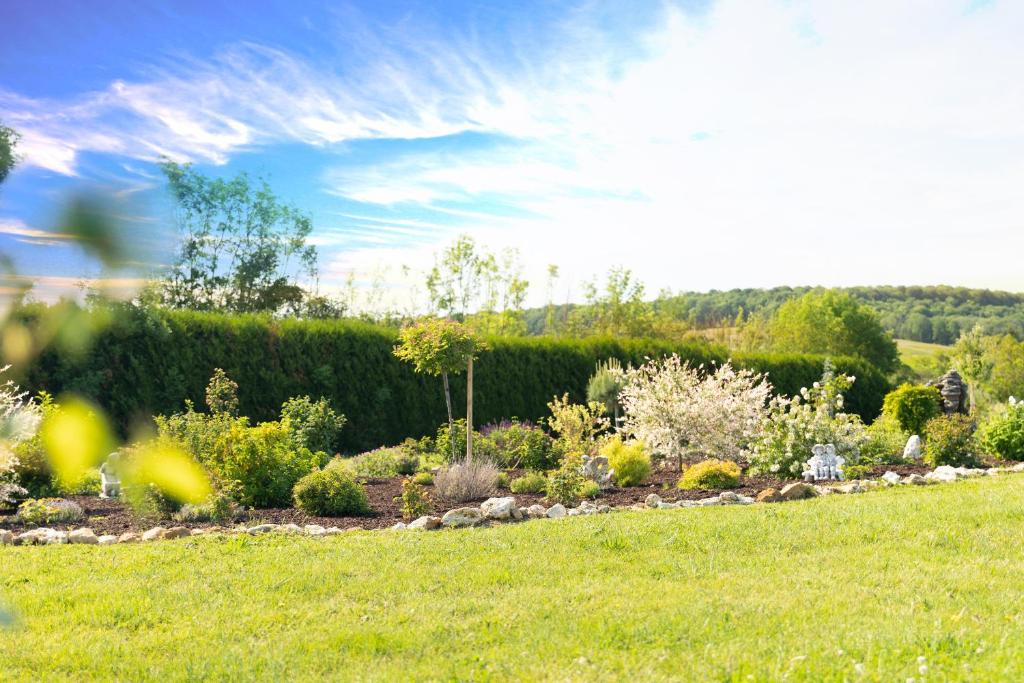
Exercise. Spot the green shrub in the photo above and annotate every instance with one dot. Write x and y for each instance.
(423, 478)
(382, 463)
(911, 406)
(565, 485)
(514, 444)
(502, 480)
(407, 462)
(711, 475)
(851, 472)
(885, 442)
(331, 492)
(631, 461)
(590, 490)
(414, 500)
(148, 501)
(534, 482)
(1002, 435)
(220, 508)
(949, 440)
(33, 469)
(50, 511)
(315, 424)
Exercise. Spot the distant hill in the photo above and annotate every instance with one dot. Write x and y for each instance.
(932, 314)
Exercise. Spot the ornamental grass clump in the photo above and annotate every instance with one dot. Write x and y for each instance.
(630, 461)
(331, 492)
(465, 481)
(711, 475)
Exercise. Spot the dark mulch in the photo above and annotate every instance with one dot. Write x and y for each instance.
(114, 517)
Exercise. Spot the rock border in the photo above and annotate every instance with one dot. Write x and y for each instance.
(495, 511)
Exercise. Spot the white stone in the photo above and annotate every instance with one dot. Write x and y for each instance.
(663, 505)
(262, 528)
(498, 508)
(107, 539)
(425, 523)
(398, 526)
(652, 500)
(556, 511)
(891, 478)
(83, 536)
(535, 511)
(912, 451)
(573, 512)
(128, 537)
(332, 531)
(6, 537)
(727, 497)
(462, 517)
(153, 534)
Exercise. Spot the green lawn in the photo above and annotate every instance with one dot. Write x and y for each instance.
(814, 590)
(920, 356)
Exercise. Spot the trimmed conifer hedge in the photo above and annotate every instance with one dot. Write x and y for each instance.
(147, 362)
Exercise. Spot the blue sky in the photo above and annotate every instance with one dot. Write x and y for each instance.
(710, 144)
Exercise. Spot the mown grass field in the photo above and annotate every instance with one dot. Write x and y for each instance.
(920, 356)
(838, 588)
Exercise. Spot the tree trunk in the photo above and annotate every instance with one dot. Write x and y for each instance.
(469, 411)
(451, 420)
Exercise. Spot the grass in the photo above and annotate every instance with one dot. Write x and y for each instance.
(838, 588)
(921, 356)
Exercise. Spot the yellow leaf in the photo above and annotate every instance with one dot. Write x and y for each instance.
(76, 437)
(172, 471)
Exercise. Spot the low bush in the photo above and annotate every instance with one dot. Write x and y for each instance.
(852, 472)
(220, 508)
(711, 475)
(148, 501)
(565, 485)
(465, 481)
(949, 440)
(415, 502)
(630, 461)
(534, 482)
(1002, 435)
(514, 444)
(382, 463)
(503, 481)
(331, 492)
(50, 511)
(423, 478)
(911, 406)
(314, 423)
(885, 442)
(590, 490)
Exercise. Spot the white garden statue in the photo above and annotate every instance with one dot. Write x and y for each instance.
(110, 484)
(824, 465)
(596, 469)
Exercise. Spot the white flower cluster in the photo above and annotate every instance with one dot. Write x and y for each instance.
(672, 407)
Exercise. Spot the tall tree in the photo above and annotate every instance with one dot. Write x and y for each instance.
(8, 157)
(240, 250)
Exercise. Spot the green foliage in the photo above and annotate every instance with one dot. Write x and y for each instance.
(631, 461)
(8, 158)
(565, 485)
(50, 511)
(852, 472)
(220, 508)
(576, 425)
(712, 475)
(331, 492)
(833, 322)
(605, 385)
(1002, 435)
(949, 440)
(532, 482)
(502, 482)
(590, 490)
(33, 468)
(438, 347)
(514, 444)
(240, 249)
(423, 478)
(382, 463)
(165, 357)
(315, 424)
(222, 394)
(885, 443)
(911, 406)
(147, 500)
(415, 502)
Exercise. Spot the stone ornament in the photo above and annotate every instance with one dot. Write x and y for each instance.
(954, 393)
(110, 484)
(824, 464)
(596, 468)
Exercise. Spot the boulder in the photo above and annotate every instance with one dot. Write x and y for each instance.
(728, 497)
(769, 496)
(652, 500)
(556, 511)
(6, 537)
(128, 537)
(915, 480)
(107, 539)
(314, 530)
(536, 511)
(425, 523)
(519, 513)
(175, 532)
(83, 536)
(498, 508)
(332, 531)
(291, 528)
(797, 491)
(154, 534)
(262, 528)
(891, 478)
(462, 517)
(912, 451)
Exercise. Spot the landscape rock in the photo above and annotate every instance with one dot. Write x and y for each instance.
(769, 495)
(6, 537)
(175, 532)
(519, 513)
(399, 526)
(891, 478)
(535, 511)
(314, 530)
(604, 509)
(83, 536)
(556, 511)
(852, 487)
(912, 451)
(797, 491)
(262, 528)
(744, 500)
(665, 505)
(128, 537)
(333, 531)
(107, 539)
(290, 528)
(153, 534)
(652, 500)
(462, 517)
(498, 508)
(714, 500)
(573, 512)
(728, 497)
(915, 480)
(425, 523)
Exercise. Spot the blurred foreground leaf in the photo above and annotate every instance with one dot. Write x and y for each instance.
(171, 470)
(77, 438)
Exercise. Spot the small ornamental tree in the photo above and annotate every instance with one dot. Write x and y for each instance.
(671, 406)
(912, 406)
(441, 348)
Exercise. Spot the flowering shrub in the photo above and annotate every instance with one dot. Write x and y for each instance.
(711, 475)
(814, 416)
(671, 406)
(1003, 434)
(630, 461)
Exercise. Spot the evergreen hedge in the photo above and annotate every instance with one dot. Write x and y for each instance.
(146, 362)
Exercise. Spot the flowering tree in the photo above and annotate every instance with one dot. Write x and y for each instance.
(672, 406)
(814, 416)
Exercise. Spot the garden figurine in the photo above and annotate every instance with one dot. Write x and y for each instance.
(824, 464)
(596, 469)
(110, 484)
